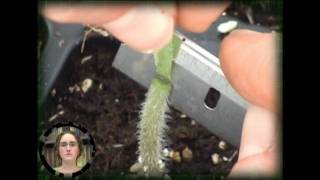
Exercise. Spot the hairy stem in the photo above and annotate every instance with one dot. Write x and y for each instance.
(152, 126)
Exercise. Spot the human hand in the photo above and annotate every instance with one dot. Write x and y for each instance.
(247, 58)
(145, 28)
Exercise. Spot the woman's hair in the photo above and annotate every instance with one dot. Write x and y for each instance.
(57, 144)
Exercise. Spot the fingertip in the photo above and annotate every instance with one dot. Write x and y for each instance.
(248, 60)
(258, 154)
(84, 13)
(258, 132)
(53, 12)
(144, 28)
(197, 17)
(260, 165)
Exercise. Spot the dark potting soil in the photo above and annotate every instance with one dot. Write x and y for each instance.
(110, 112)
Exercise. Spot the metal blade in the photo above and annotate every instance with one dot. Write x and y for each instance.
(195, 72)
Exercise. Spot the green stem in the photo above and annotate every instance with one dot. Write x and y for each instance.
(151, 128)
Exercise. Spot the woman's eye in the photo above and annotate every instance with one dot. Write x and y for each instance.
(71, 144)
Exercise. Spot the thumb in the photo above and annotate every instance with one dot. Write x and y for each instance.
(259, 144)
(248, 60)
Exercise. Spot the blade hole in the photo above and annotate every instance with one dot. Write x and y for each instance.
(212, 99)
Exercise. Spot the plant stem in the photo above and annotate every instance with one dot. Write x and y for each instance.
(152, 126)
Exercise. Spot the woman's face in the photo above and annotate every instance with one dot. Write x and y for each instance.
(68, 148)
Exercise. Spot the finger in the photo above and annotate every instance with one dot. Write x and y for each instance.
(261, 164)
(84, 14)
(145, 28)
(259, 132)
(248, 60)
(197, 17)
(168, 8)
(258, 149)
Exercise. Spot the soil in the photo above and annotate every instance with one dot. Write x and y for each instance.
(110, 112)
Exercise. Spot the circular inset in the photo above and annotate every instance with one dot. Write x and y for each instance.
(66, 149)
